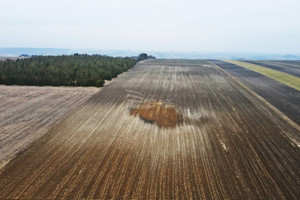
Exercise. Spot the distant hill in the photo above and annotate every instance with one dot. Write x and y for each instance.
(15, 52)
(24, 56)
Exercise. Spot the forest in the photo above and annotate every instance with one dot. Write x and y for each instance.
(72, 70)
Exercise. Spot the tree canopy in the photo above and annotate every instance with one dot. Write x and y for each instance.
(74, 70)
(144, 56)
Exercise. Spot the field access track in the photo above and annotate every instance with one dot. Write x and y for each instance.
(227, 144)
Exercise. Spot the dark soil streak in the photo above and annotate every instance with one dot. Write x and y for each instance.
(281, 68)
(283, 97)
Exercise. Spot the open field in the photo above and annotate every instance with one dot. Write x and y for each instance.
(280, 66)
(222, 142)
(284, 78)
(294, 64)
(284, 98)
(27, 113)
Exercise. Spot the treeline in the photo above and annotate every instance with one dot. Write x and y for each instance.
(144, 56)
(75, 70)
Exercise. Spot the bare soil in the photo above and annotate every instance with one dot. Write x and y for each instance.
(294, 64)
(28, 112)
(164, 115)
(230, 145)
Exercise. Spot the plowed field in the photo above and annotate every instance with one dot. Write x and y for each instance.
(227, 143)
(28, 112)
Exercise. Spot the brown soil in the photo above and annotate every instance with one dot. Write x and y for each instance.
(232, 145)
(164, 115)
(28, 112)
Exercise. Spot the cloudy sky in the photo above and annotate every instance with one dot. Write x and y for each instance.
(269, 26)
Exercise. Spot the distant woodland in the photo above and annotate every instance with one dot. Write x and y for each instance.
(74, 70)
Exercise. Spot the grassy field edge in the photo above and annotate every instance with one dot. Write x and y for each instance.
(282, 77)
(263, 100)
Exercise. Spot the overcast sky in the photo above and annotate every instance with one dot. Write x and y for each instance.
(269, 26)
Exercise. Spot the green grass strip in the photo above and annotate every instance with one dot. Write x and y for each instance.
(282, 77)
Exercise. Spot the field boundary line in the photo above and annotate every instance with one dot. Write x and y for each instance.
(282, 77)
(263, 100)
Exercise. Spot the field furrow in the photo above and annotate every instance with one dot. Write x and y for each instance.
(27, 112)
(227, 143)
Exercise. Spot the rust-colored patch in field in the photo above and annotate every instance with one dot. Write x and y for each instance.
(164, 115)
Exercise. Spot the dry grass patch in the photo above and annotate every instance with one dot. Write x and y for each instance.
(164, 115)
